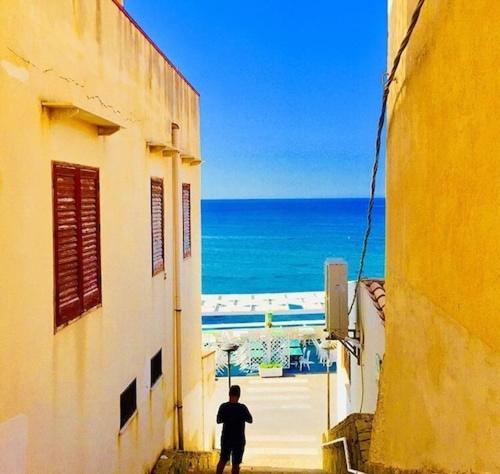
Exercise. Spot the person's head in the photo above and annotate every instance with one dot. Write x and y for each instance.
(234, 393)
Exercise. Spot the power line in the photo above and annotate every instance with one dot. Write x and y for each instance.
(381, 121)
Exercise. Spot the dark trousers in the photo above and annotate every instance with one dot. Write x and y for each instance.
(232, 450)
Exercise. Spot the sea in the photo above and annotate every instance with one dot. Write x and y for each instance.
(280, 245)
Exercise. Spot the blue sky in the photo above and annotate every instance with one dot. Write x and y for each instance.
(290, 91)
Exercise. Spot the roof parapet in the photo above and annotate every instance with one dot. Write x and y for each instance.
(119, 5)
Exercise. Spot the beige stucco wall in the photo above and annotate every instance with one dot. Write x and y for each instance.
(439, 395)
(190, 273)
(209, 406)
(60, 392)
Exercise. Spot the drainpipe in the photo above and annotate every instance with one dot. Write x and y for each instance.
(176, 186)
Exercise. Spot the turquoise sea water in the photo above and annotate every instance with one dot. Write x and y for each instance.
(280, 245)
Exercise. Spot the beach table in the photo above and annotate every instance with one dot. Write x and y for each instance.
(295, 351)
(295, 343)
(295, 354)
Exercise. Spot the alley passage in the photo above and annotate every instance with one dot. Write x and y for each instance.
(289, 416)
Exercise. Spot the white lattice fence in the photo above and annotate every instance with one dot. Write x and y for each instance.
(253, 352)
(280, 351)
(275, 350)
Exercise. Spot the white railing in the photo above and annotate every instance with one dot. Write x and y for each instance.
(343, 440)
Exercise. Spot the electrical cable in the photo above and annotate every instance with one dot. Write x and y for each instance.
(390, 79)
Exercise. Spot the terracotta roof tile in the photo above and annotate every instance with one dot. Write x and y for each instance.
(376, 290)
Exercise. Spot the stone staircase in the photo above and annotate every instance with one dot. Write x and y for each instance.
(182, 462)
(275, 470)
(268, 470)
(288, 414)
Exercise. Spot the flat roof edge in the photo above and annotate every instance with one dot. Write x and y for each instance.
(154, 45)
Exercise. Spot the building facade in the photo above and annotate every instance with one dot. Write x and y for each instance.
(100, 338)
(440, 390)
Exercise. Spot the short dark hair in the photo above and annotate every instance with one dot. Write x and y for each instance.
(234, 391)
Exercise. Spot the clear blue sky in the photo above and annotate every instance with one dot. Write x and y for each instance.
(290, 91)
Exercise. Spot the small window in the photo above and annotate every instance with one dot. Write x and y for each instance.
(157, 238)
(156, 368)
(128, 403)
(186, 219)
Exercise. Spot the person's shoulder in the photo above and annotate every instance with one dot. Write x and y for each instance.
(223, 405)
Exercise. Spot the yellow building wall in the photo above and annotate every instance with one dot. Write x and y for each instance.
(191, 319)
(59, 393)
(209, 399)
(439, 397)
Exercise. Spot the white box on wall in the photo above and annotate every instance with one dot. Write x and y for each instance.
(337, 321)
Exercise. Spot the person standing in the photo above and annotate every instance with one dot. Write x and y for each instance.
(233, 416)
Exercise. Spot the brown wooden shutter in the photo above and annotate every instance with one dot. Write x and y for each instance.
(77, 257)
(90, 238)
(68, 302)
(157, 241)
(186, 219)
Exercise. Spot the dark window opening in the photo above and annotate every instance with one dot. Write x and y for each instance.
(128, 403)
(156, 368)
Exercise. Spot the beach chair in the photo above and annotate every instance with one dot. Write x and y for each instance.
(322, 356)
(317, 347)
(305, 360)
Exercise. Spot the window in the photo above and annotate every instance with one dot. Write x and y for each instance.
(156, 368)
(157, 243)
(186, 219)
(128, 403)
(77, 254)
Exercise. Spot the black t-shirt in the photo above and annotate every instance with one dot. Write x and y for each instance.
(233, 416)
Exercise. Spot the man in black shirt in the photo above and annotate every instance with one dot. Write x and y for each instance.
(233, 416)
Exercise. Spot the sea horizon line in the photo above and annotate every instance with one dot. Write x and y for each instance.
(293, 198)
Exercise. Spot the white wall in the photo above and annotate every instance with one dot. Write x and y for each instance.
(360, 392)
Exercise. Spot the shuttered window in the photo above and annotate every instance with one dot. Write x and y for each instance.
(186, 219)
(77, 260)
(157, 240)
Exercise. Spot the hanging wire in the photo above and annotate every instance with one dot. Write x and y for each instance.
(381, 121)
